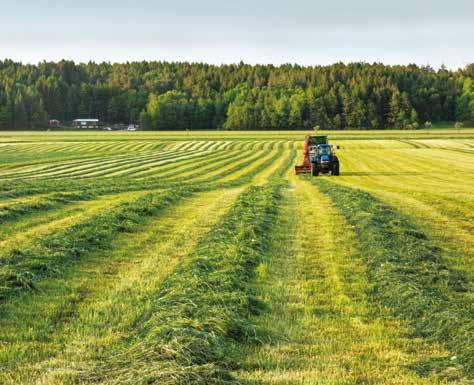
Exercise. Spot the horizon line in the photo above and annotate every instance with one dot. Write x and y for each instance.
(240, 62)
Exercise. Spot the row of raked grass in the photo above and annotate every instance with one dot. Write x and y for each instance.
(213, 158)
(122, 164)
(51, 163)
(10, 212)
(64, 268)
(318, 323)
(411, 276)
(21, 216)
(19, 188)
(209, 166)
(437, 294)
(47, 256)
(201, 312)
(48, 333)
(95, 165)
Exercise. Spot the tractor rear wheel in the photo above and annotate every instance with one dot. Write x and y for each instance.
(335, 169)
(314, 169)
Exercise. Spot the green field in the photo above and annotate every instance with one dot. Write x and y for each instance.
(200, 258)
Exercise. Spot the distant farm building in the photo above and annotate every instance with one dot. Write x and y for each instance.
(53, 123)
(86, 123)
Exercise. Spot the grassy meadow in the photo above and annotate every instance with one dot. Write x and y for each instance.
(200, 258)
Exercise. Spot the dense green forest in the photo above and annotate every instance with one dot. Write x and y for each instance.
(164, 95)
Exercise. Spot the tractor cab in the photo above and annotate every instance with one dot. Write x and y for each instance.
(322, 152)
(323, 149)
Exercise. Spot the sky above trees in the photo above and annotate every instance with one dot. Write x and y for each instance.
(261, 31)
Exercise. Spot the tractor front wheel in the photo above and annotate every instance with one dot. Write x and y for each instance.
(314, 169)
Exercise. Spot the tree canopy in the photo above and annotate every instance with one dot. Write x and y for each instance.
(176, 96)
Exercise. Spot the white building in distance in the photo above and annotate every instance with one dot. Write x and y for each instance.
(86, 123)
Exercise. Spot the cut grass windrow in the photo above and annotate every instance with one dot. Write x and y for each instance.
(47, 335)
(13, 211)
(410, 275)
(319, 325)
(236, 175)
(20, 188)
(205, 167)
(21, 267)
(202, 308)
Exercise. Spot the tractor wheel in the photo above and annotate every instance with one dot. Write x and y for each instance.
(314, 169)
(335, 169)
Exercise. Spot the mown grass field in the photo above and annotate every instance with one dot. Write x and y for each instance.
(200, 258)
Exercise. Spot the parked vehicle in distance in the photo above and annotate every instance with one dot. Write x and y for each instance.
(107, 129)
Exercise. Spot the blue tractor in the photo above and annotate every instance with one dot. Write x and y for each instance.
(323, 160)
(319, 157)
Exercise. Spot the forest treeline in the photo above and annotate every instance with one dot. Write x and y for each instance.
(166, 95)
